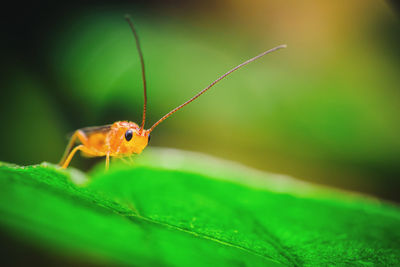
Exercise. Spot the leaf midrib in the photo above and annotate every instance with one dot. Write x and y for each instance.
(119, 208)
(199, 235)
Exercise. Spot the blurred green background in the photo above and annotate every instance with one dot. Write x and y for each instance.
(323, 110)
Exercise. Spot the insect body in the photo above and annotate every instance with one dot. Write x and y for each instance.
(125, 138)
(120, 139)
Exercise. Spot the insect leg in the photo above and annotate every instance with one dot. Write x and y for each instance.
(130, 160)
(78, 134)
(107, 161)
(124, 160)
(70, 155)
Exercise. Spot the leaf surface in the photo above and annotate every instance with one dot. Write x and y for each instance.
(178, 208)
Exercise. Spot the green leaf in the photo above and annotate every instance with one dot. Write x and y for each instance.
(178, 208)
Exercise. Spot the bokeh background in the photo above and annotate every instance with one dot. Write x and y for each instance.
(325, 110)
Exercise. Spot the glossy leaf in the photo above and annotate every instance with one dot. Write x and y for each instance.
(177, 208)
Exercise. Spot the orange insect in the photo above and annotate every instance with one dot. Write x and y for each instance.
(124, 138)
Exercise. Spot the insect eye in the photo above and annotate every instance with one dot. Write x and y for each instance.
(148, 138)
(128, 135)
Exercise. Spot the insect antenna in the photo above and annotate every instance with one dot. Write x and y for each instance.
(128, 18)
(213, 83)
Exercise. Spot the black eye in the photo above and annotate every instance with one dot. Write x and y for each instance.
(128, 135)
(148, 138)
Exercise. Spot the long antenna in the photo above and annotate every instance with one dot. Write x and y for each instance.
(128, 18)
(213, 83)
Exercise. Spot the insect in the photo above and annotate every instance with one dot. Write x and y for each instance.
(124, 138)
